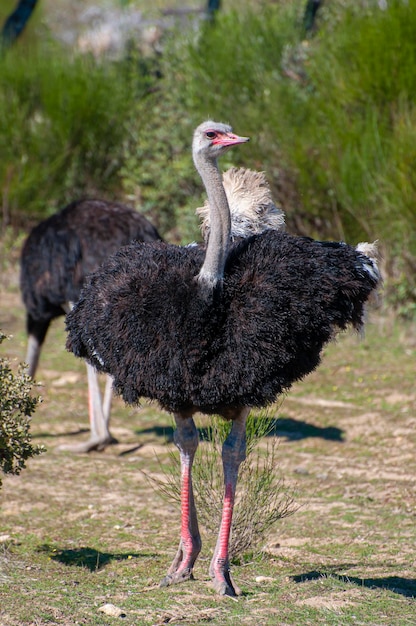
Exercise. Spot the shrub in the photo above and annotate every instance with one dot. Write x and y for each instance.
(208, 75)
(333, 119)
(158, 174)
(62, 125)
(16, 408)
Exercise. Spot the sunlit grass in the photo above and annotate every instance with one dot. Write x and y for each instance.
(86, 530)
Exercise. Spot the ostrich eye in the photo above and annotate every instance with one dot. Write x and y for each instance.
(211, 135)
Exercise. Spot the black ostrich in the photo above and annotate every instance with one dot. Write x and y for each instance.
(56, 258)
(218, 331)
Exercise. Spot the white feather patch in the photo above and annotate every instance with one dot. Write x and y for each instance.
(251, 205)
(370, 250)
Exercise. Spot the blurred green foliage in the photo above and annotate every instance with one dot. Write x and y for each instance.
(62, 125)
(332, 121)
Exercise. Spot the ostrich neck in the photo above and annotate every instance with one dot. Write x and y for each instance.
(212, 270)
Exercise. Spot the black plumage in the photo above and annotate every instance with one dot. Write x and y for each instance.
(63, 249)
(56, 258)
(142, 319)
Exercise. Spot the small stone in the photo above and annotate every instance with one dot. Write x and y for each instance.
(112, 610)
(264, 579)
(301, 470)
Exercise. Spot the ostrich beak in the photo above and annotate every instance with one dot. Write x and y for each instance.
(229, 139)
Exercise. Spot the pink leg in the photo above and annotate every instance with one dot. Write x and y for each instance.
(186, 439)
(233, 453)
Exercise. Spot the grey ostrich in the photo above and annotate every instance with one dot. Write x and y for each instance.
(217, 330)
(56, 258)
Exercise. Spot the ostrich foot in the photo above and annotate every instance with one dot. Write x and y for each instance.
(93, 443)
(182, 565)
(224, 584)
(178, 577)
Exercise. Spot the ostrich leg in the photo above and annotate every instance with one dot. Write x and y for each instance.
(36, 331)
(233, 453)
(99, 413)
(32, 355)
(186, 439)
(108, 396)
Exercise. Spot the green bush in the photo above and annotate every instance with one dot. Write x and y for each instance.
(332, 122)
(158, 174)
(16, 407)
(62, 125)
(210, 76)
(355, 151)
(339, 108)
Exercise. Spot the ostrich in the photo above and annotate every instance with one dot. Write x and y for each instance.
(216, 330)
(56, 258)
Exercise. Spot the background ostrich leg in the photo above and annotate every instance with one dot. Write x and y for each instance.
(32, 354)
(186, 439)
(233, 453)
(99, 412)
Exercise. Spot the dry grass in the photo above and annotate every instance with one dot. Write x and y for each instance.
(78, 532)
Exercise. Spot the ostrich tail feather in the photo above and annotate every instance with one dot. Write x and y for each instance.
(371, 251)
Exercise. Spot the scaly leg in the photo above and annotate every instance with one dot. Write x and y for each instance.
(186, 439)
(233, 453)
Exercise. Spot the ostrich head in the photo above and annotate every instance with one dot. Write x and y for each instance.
(212, 139)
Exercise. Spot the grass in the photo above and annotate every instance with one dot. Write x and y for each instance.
(78, 532)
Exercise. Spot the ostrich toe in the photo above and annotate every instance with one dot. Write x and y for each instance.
(224, 584)
(93, 443)
(183, 563)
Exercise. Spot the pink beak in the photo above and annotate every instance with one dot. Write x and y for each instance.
(229, 139)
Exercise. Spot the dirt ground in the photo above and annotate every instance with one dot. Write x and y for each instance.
(347, 444)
